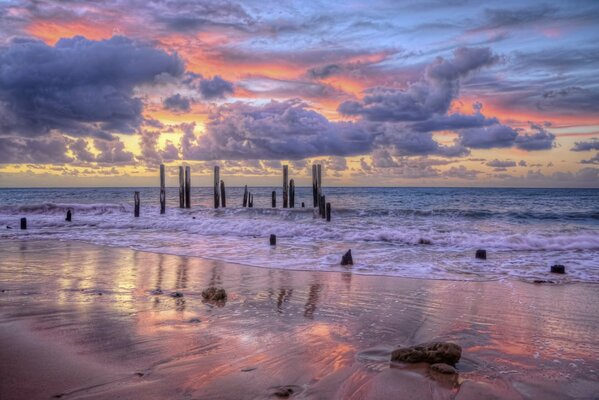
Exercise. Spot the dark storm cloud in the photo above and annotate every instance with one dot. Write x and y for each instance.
(46, 150)
(79, 86)
(421, 100)
(185, 16)
(112, 152)
(324, 71)
(589, 145)
(151, 154)
(274, 131)
(488, 137)
(454, 122)
(592, 160)
(404, 142)
(177, 103)
(215, 88)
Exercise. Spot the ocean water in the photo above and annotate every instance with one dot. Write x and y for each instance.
(524, 231)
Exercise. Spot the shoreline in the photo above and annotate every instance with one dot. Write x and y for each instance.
(559, 278)
(327, 335)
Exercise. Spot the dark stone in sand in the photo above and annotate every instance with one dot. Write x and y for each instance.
(176, 294)
(444, 368)
(156, 292)
(542, 281)
(248, 369)
(140, 374)
(8, 227)
(424, 241)
(273, 240)
(100, 294)
(432, 353)
(195, 321)
(481, 254)
(347, 259)
(286, 391)
(558, 269)
(193, 217)
(214, 294)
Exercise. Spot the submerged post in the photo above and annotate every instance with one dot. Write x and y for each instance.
(136, 204)
(69, 216)
(250, 200)
(292, 194)
(245, 196)
(23, 223)
(274, 199)
(223, 197)
(162, 190)
(285, 186)
(216, 181)
(181, 188)
(322, 206)
(314, 186)
(328, 212)
(187, 187)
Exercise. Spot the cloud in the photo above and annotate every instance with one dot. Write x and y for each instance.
(589, 145)
(177, 103)
(112, 152)
(324, 71)
(541, 139)
(501, 164)
(274, 131)
(81, 87)
(488, 137)
(215, 88)
(151, 154)
(461, 172)
(593, 160)
(421, 100)
(47, 150)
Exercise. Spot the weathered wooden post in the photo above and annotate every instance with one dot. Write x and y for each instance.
(318, 182)
(188, 187)
(303, 205)
(273, 240)
(245, 196)
(223, 197)
(69, 216)
(216, 182)
(292, 194)
(162, 190)
(274, 199)
(250, 200)
(314, 185)
(181, 188)
(328, 212)
(285, 186)
(23, 223)
(322, 206)
(136, 204)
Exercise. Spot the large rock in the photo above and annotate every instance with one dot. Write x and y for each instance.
(214, 294)
(432, 353)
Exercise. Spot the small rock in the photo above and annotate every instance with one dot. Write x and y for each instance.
(194, 321)
(140, 374)
(558, 269)
(8, 227)
(432, 353)
(444, 368)
(285, 391)
(248, 369)
(214, 294)
(347, 259)
(99, 293)
(156, 292)
(193, 217)
(176, 294)
(424, 241)
(481, 254)
(542, 281)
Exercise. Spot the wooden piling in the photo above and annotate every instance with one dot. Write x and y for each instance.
(273, 240)
(314, 185)
(322, 206)
(274, 199)
(285, 186)
(303, 204)
(250, 200)
(181, 188)
(69, 216)
(216, 182)
(187, 187)
(23, 223)
(136, 204)
(223, 197)
(318, 182)
(162, 190)
(328, 212)
(245, 196)
(292, 194)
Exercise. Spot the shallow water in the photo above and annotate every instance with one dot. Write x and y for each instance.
(329, 335)
(525, 231)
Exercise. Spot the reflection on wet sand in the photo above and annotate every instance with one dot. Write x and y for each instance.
(326, 335)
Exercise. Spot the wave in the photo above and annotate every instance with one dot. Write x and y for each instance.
(61, 208)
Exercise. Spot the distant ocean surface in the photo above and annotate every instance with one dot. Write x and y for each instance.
(524, 231)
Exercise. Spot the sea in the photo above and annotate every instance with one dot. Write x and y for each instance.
(430, 233)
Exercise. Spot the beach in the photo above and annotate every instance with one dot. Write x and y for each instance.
(84, 321)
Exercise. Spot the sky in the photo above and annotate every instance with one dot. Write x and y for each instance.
(381, 93)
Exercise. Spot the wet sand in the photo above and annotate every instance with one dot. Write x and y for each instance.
(79, 321)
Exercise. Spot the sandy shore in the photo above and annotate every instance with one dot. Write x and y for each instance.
(79, 321)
